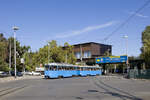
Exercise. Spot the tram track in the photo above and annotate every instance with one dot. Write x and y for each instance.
(11, 90)
(4, 90)
(113, 91)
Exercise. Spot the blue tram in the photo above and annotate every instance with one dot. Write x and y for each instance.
(56, 70)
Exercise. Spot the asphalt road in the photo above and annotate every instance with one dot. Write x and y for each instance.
(76, 88)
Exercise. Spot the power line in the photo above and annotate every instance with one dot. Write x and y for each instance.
(127, 20)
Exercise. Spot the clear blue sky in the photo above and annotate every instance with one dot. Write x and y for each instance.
(75, 21)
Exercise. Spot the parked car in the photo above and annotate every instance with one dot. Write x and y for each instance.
(17, 73)
(27, 73)
(3, 74)
(31, 73)
(36, 73)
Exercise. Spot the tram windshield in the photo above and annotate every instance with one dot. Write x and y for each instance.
(46, 67)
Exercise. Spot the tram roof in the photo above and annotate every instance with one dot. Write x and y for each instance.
(71, 65)
(89, 66)
(61, 64)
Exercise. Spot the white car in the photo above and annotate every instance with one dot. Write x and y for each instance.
(1, 72)
(27, 73)
(36, 73)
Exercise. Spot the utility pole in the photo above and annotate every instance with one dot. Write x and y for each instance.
(144, 55)
(15, 29)
(127, 62)
(48, 53)
(66, 52)
(81, 53)
(10, 57)
(66, 58)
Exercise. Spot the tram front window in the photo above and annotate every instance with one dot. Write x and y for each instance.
(46, 68)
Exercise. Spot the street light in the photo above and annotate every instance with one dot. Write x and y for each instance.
(15, 29)
(10, 57)
(127, 62)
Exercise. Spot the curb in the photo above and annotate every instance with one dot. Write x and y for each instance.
(8, 79)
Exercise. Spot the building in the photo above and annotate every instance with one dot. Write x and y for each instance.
(87, 52)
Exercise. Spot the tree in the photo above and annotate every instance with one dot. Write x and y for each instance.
(20, 51)
(3, 53)
(70, 57)
(30, 63)
(54, 52)
(146, 46)
(5, 50)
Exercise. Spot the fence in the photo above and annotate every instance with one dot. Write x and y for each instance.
(139, 74)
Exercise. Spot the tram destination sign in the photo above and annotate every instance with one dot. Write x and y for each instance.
(111, 59)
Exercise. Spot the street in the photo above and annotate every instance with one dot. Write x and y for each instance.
(76, 88)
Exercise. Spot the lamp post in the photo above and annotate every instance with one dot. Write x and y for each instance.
(127, 62)
(15, 29)
(10, 57)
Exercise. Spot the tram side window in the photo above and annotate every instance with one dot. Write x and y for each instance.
(54, 67)
(50, 68)
(63, 68)
(82, 69)
(72, 68)
(59, 68)
(89, 69)
(69, 68)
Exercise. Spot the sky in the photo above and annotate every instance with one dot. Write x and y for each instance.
(75, 21)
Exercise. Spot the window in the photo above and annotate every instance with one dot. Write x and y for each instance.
(46, 67)
(78, 55)
(87, 54)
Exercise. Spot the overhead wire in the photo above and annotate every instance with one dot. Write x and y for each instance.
(127, 20)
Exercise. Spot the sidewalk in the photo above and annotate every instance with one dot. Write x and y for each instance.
(11, 78)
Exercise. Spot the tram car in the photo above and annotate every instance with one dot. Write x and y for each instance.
(57, 70)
